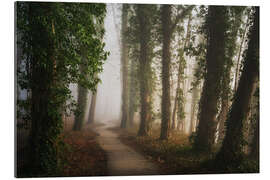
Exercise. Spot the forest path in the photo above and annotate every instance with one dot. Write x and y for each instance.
(122, 159)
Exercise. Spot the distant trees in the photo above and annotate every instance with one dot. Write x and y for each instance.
(52, 37)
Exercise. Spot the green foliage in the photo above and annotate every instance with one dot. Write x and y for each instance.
(56, 39)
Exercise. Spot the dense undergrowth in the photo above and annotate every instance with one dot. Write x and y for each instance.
(81, 156)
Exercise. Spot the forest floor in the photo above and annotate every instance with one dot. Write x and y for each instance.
(84, 156)
(174, 156)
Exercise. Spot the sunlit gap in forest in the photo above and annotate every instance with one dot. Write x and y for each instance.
(135, 89)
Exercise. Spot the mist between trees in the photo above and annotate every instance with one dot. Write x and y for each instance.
(161, 71)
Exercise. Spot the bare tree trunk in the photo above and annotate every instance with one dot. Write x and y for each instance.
(145, 67)
(91, 117)
(166, 61)
(124, 63)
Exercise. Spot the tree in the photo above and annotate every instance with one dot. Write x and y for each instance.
(145, 17)
(234, 21)
(230, 154)
(165, 104)
(216, 28)
(53, 35)
(180, 72)
(124, 67)
(167, 29)
(81, 101)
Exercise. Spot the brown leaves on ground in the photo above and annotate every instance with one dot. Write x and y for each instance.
(84, 156)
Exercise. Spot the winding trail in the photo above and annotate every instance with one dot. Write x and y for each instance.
(122, 159)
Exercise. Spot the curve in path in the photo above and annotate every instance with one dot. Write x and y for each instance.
(122, 159)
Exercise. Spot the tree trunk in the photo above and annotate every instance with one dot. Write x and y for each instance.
(144, 67)
(79, 116)
(44, 123)
(166, 61)
(82, 98)
(132, 93)
(214, 65)
(124, 68)
(239, 56)
(231, 151)
(91, 117)
(225, 82)
(180, 69)
(195, 96)
(254, 153)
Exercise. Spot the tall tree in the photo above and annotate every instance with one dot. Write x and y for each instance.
(216, 28)
(235, 16)
(51, 42)
(167, 29)
(180, 72)
(166, 60)
(124, 67)
(145, 18)
(231, 153)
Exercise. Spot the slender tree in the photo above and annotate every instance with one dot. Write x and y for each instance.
(180, 72)
(124, 67)
(144, 17)
(167, 28)
(166, 55)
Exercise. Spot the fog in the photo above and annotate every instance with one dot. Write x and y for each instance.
(109, 90)
(108, 102)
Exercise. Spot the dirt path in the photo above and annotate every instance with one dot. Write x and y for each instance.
(122, 159)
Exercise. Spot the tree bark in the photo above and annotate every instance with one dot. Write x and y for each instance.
(231, 151)
(144, 67)
(124, 68)
(211, 90)
(79, 116)
(91, 117)
(195, 96)
(166, 61)
(132, 93)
